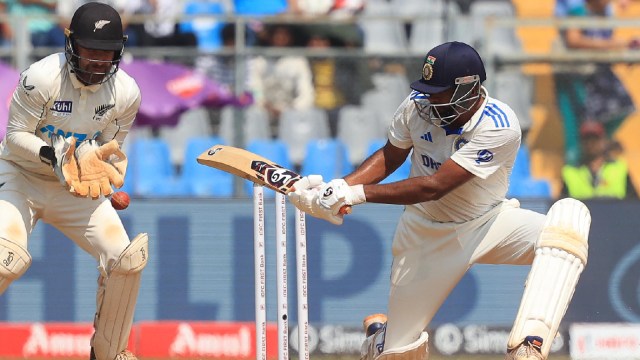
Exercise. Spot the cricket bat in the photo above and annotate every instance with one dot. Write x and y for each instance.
(254, 168)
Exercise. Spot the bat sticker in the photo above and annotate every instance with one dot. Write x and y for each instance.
(273, 175)
(213, 151)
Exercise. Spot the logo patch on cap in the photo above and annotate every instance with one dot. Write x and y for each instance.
(100, 24)
(427, 69)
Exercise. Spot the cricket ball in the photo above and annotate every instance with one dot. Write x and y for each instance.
(120, 200)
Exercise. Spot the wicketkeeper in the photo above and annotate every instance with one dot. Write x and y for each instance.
(60, 159)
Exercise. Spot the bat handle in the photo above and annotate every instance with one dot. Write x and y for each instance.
(346, 210)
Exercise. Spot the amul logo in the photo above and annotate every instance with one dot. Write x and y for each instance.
(56, 343)
(222, 344)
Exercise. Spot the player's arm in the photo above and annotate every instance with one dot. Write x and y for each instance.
(379, 165)
(482, 156)
(419, 189)
(575, 39)
(28, 103)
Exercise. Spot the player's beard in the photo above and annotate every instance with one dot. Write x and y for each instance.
(91, 76)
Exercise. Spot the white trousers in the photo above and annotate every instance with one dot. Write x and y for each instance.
(92, 224)
(430, 258)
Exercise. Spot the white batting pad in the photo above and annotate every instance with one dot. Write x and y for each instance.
(116, 306)
(14, 261)
(561, 255)
(417, 350)
(567, 227)
(372, 348)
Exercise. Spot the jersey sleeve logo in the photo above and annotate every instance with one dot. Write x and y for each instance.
(25, 86)
(484, 156)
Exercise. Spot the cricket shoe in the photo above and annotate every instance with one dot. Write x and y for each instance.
(124, 355)
(373, 323)
(529, 349)
(374, 327)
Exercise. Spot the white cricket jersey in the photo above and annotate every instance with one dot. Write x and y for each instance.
(486, 146)
(49, 99)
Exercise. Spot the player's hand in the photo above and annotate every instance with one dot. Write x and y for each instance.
(305, 191)
(305, 197)
(98, 170)
(61, 156)
(337, 193)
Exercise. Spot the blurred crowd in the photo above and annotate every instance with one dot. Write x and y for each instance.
(350, 88)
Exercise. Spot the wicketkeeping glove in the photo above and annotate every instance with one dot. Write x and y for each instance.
(100, 167)
(61, 156)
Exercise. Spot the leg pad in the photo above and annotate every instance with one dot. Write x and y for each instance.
(14, 262)
(117, 301)
(561, 255)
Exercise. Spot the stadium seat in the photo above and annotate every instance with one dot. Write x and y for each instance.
(327, 157)
(207, 31)
(192, 123)
(299, 126)
(150, 169)
(529, 188)
(274, 150)
(384, 104)
(501, 38)
(401, 173)
(521, 183)
(259, 8)
(515, 89)
(356, 129)
(426, 34)
(200, 180)
(255, 127)
(382, 35)
(522, 164)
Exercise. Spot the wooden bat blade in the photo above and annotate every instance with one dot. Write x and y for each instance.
(253, 167)
(249, 166)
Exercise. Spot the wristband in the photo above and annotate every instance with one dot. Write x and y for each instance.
(48, 155)
(358, 194)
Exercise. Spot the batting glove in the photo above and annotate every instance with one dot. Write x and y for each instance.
(305, 191)
(337, 193)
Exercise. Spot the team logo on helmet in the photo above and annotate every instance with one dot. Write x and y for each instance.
(100, 24)
(427, 69)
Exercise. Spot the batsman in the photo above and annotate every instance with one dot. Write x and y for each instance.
(462, 144)
(60, 158)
